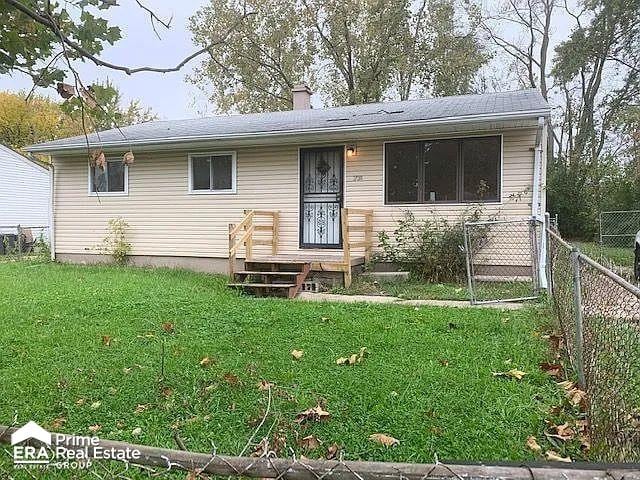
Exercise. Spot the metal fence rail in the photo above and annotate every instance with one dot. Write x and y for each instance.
(599, 314)
(619, 228)
(503, 260)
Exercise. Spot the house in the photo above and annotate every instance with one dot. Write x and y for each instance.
(24, 195)
(313, 186)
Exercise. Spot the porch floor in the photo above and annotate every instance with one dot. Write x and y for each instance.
(319, 262)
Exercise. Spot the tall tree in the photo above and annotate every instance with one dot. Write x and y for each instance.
(442, 52)
(360, 42)
(38, 119)
(521, 31)
(255, 69)
(353, 51)
(597, 70)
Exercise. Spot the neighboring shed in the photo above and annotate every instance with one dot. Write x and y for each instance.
(24, 193)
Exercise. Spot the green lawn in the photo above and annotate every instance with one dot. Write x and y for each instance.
(420, 290)
(622, 257)
(426, 381)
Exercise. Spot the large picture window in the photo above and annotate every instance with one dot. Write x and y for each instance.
(443, 171)
(112, 179)
(215, 173)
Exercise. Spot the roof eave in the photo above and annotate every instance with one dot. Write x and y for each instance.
(287, 134)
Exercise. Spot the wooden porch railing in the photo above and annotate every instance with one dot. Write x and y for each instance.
(242, 234)
(365, 226)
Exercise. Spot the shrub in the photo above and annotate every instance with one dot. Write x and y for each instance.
(115, 243)
(432, 250)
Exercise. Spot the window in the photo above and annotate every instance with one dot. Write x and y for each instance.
(443, 171)
(212, 173)
(113, 179)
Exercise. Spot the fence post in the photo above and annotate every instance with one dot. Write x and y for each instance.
(547, 253)
(579, 334)
(467, 251)
(19, 230)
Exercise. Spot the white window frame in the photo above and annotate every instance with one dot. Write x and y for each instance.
(234, 168)
(109, 194)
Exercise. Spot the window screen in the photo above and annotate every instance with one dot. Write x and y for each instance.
(212, 173)
(109, 179)
(441, 170)
(402, 172)
(481, 166)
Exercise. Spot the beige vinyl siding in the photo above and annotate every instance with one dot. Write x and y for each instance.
(167, 220)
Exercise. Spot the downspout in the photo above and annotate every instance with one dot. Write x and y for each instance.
(536, 214)
(52, 230)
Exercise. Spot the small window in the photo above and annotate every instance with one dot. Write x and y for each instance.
(213, 173)
(110, 179)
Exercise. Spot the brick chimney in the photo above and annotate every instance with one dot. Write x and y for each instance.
(301, 97)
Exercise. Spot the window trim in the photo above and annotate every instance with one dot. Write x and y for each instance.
(234, 168)
(124, 193)
(385, 202)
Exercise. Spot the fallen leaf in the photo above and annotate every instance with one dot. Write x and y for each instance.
(81, 401)
(127, 370)
(231, 379)
(58, 423)
(554, 457)
(166, 392)
(444, 362)
(315, 414)
(577, 398)
(310, 442)
(297, 354)
(95, 405)
(353, 358)
(264, 385)
(113, 391)
(141, 408)
(532, 444)
(384, 439)
(106, 340)
(168, 327)
(136, 431)
(553, 369)
(94, 428)
(332, 451)
(566, 385)
(205, 362)
(513, 373)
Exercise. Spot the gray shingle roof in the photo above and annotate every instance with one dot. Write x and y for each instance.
(305, 121)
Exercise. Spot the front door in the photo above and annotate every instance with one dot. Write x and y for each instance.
(321, 188)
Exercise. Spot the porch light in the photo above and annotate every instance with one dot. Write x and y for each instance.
(351, 150)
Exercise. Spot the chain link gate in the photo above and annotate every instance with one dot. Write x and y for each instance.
(503, 260)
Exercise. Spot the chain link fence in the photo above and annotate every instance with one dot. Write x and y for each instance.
(21, 240)
(503, 260)
(619, 228)
(599, 315)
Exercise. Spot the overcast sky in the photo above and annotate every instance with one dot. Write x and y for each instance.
(170, 95)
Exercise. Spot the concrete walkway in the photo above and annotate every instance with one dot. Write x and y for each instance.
(333, 297)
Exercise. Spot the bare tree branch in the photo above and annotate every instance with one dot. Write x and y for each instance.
(51, 25)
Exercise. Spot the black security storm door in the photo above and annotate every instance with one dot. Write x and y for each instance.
(321, 191)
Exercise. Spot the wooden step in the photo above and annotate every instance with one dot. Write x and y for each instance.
(292, 275)
(260, 272)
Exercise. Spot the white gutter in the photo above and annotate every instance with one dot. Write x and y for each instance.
(286, 134)
(535, 201)
(52, 230)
